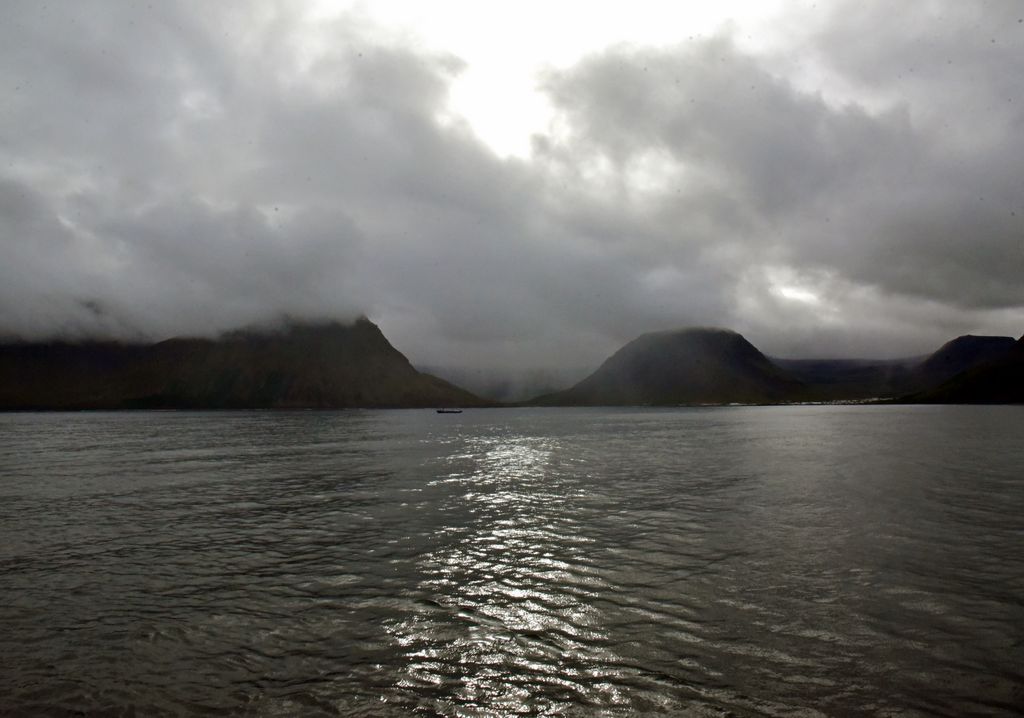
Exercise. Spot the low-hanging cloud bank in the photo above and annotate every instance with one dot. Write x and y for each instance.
(189, 168)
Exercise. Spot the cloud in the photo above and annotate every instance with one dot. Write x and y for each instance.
(867, 192)
(189, 168)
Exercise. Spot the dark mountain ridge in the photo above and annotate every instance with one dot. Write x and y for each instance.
(962, 354)
(333, 365)
(687, 366)
(302, 365)
(851, 379)
(998, 380)
(718, 366)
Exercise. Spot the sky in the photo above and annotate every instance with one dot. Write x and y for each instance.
(518, 184)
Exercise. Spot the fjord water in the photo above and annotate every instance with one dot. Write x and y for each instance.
(731, 561)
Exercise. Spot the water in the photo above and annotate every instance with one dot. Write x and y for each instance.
(734, 561)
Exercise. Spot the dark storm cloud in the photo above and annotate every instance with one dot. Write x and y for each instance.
(190, 168)
(903, 197)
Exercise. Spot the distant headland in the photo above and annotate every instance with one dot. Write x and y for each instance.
(299, 366)
(330, 365)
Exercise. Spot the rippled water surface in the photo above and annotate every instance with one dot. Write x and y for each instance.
(734, 561)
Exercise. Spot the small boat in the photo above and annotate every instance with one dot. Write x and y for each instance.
(449, 411)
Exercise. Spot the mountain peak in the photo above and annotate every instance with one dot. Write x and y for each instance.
(998, 379)
(694, 365)
(698, 330)
(322, 364)
(964, 352)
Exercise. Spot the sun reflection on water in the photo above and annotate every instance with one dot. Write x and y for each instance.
(516, 585)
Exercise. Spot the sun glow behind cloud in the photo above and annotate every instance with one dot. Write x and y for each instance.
(797, 294)
(508, 48)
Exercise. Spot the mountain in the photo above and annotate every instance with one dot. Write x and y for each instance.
(717, 366)
(689, 366)
(333, 365)
(996, 381)
(851, 379)
(303, 365)
(960, 355)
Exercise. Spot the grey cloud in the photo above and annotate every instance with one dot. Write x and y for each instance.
(194, 167)
(873, 197)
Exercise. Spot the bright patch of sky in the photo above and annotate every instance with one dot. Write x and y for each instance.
(507, 47)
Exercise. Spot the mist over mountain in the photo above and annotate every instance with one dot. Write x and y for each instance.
(510, 385)
(329, 364)
(298, 365)
(851, 379)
